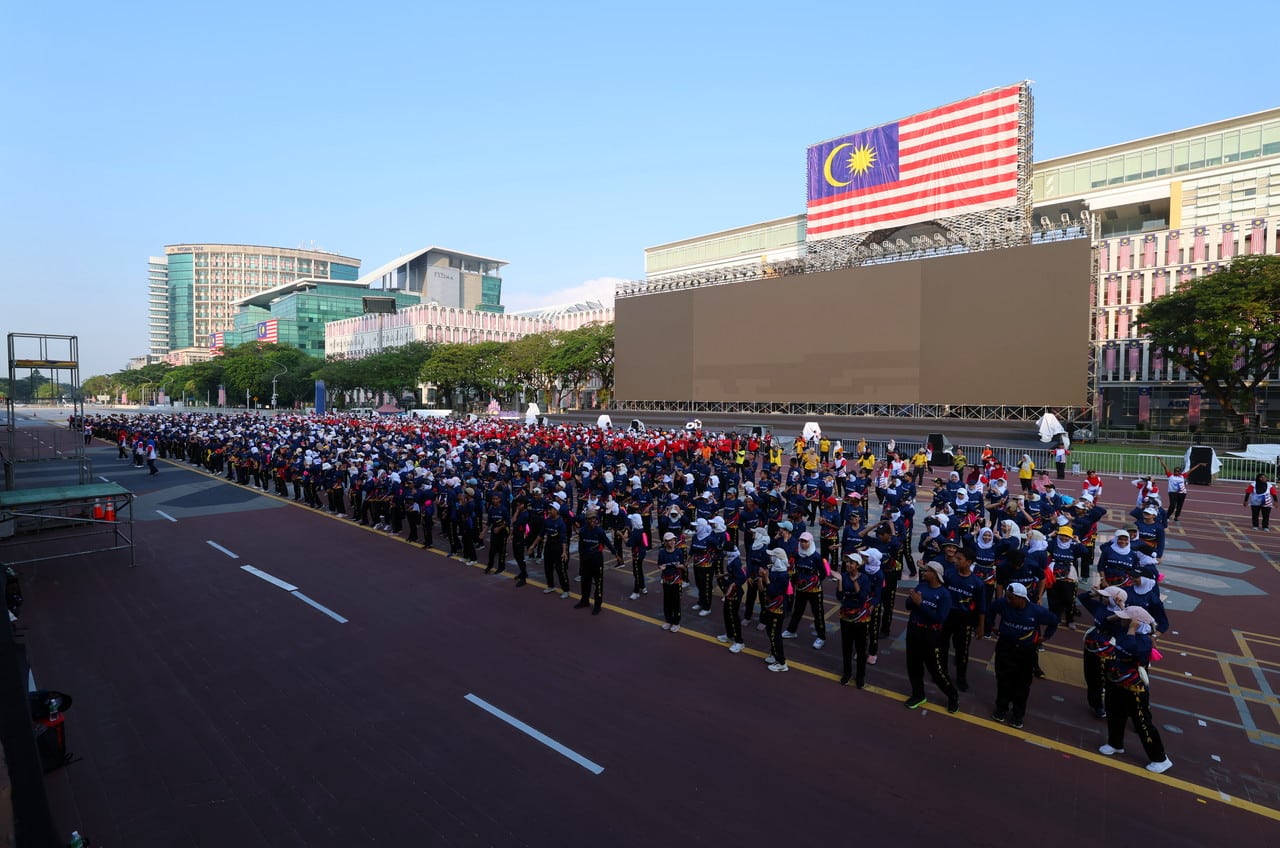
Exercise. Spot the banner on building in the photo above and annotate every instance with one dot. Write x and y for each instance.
(1193, 407)
(1144, 405)
(268, 331)
(222, 395)
(961, 158)
(217, 342)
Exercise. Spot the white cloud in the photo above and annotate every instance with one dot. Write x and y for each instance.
(600, 289)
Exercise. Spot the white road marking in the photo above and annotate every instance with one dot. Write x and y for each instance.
(214, 544)
(276, 581)
(320, 607)
(103, 479)
(166, 515)
(541, 737)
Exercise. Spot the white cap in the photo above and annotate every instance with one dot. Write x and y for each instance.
(1017, 589)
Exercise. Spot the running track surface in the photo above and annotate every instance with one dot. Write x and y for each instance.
(215, 708)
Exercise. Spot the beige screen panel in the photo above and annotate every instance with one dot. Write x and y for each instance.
(998, 327)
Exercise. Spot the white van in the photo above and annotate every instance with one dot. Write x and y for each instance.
(360, 410)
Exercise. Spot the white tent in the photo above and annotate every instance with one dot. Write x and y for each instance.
(604, 422)
(1050, 428)
(811, 431)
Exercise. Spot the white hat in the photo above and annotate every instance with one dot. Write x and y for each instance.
(1017, 589)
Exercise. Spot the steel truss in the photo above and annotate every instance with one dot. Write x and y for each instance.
(868, 410)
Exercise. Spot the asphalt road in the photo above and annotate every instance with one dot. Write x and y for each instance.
(213, 707)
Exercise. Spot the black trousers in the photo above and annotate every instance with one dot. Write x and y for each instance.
(812, 600)
(753, 594)
(924, 652)
(592, 571)
(1013, 666)
(1261, 511)
(957, 635)
(1062, 599)
(498, 551)
(1095, 681)
(553, 565)
(517, 553)
(671, 603)
(732, 618)
(1176, 502)
(704, 577)
(773, 627)
(1062, 470)
(888, 597)
(637, 569)
(853, 642)
(427, 527)
(1132, 704)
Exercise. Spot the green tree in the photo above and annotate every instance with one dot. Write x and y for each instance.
(526, 362)
(1223, 329)
(98, 384)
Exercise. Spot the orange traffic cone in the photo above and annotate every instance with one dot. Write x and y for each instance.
(111, 509)
(97, 509)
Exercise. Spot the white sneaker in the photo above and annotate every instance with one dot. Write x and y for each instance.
(644, 591)
(760, 626)
(818, 643)
(695, 608)
(666, 625)
(1160, 767)
(736, 648)
(787, 634)
(1107, 750)
(578, 579)
(547, 591)
(705, 613)
(675, 628)
(769, 660)
(778, 667)
(723, 639)
(564, 595)
(633, 596)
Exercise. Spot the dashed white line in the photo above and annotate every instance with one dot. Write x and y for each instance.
(541, 737)
(275, 581)
(214, 544)
(103, 479)
(318, 606)
(166, 515)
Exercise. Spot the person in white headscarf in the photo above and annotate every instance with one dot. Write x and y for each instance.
(776, 587)
(757, 558)
(702, 552)
(638, 542)
(872, 559)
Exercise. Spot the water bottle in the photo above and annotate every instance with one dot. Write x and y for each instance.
(54, 703)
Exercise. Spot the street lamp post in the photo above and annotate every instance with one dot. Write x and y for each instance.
(284, 370)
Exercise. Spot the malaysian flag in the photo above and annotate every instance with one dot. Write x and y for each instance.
(267, 331)
(948, 161)
(217, 341)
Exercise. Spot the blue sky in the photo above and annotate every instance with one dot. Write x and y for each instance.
(562, 139)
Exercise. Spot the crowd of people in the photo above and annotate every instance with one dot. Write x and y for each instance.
(770, 528)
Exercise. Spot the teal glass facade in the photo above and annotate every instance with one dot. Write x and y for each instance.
(301, 316)
(181, 301)
(347, 273)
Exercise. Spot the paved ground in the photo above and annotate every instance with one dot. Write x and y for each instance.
(214, 707)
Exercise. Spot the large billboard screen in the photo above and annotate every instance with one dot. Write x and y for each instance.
(953, 160)
(999, 327)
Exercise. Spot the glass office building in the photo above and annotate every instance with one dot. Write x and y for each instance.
(203, 282)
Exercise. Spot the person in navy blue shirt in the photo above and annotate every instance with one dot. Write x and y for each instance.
(1018, 638)
(929, 604)
(732, 582)
(1128, 690)
(555, 538)
(498, 517)
(968, 611)
(858, 596)
(673, 574)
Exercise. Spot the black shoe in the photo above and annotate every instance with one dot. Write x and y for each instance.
(999, 716)
(1038, 672)
(581, 604)
(1100, 712)
(953, 704)
(859, 683)
(595, 610)
(1016, 721)
(844, 680)
(962, 684)
(914, 702)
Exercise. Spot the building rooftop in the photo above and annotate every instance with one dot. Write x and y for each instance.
(377, 273)
(202, 247)
(265, 298)
(561, 309)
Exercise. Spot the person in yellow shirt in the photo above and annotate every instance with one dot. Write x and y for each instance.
(866, 459)
(775, 456)
(919, 462)
(810, 461)
(1026, 471)
(824, 446)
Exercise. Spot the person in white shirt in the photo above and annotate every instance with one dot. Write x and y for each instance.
(1178, 488)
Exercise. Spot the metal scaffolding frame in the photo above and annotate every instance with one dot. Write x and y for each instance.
(871, 410)
(29, 355)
